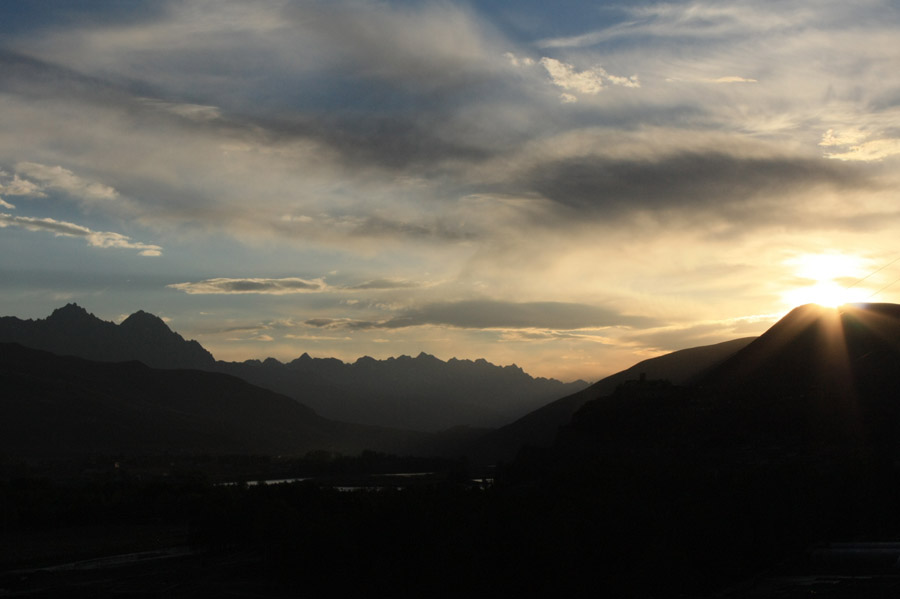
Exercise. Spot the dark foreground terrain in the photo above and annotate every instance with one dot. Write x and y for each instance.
(622, 528)
(775, 473)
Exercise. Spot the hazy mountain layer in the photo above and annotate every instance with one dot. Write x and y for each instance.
(422, 393)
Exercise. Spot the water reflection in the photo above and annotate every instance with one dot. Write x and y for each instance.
(373, 482)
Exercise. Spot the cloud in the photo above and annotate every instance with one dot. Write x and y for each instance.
(252, 285)
(16, 186)
(385, 284)
(435, 46)
(702, 332)
(701, 182)
(101, 239)
(6, 205)
(494, 314)
(441, 229)
(531, 335)
(59, 178)
(683, 21)
(518, 62)
(869, 151)
(842, 138)
(502, 314)
(317, 337)
(734, 79)
(342, 323)
(117, 240)
(587, 82)
(237, 48)
(285, 286)
(193, 112)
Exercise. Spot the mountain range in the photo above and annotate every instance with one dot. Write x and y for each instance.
(398, 392)
(421, 393)
(818, 380)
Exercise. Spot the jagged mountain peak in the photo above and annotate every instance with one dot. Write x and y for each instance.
(145, 321)
(71, 312)
(72, 330)
(423, 357)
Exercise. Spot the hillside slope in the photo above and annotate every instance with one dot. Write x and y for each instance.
(539, 428)
(63, 406)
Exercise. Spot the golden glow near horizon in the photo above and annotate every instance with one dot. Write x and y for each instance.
(433, 179)
(826, 275)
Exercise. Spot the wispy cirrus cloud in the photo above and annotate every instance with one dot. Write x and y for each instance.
(698, 20)
(101, 239)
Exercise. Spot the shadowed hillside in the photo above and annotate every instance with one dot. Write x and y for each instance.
(789, 445)
(540, 427)
(64, 406)
(819, 380)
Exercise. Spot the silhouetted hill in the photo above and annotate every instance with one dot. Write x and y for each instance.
(422, 393)
(790, 444)
(820, 376)
(63, 406)
(72, 331)
(819, 381)
(539, 428)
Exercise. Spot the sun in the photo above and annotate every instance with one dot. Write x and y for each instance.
(824, 293)
(828, 280)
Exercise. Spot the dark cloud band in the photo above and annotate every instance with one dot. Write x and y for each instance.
(492, 314)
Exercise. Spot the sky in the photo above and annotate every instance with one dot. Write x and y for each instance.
(568, 186)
